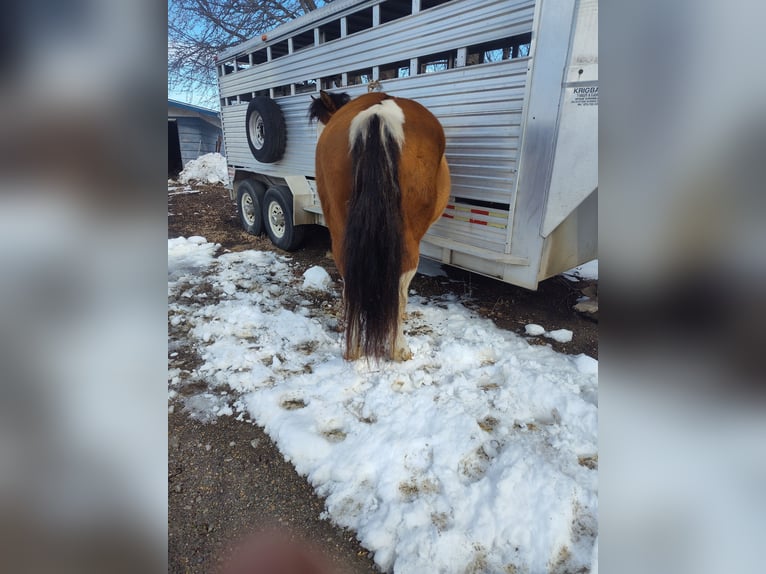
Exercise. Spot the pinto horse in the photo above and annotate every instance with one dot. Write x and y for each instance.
(382, 179)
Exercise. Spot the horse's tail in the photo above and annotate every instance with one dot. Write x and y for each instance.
(373, 241)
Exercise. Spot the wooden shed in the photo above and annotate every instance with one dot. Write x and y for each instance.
(192, 131)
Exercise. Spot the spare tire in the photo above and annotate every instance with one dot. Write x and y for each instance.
(265, 128)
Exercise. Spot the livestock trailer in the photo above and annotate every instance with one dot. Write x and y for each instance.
(513, 82)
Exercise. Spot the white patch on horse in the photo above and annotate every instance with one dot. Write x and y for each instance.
(401, 351)
(391, 120)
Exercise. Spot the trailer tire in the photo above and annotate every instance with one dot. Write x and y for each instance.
(278, 219)
(265, 129)
(249, 200)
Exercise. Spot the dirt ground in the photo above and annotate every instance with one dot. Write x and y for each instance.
(227, 478)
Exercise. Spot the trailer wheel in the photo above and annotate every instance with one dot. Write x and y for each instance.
(265, 128)
(249, 201)
(278, 219)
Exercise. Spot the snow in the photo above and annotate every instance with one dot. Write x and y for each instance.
(185, 191)
(431, 268)
(467, 458)
(316, 278)
(208, 168)
(560, 335)
(534, 330)
(585, 271)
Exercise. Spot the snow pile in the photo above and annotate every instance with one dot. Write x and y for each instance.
(186, 257)
(560, 335)
(586, 271)
(534, 330)
(316, 278)
(479, 454)
(208, 168)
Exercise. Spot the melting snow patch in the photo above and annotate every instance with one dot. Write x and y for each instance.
(431, 268)
(185, 191)
(316, 278)
(209, 168)
(188, 256)
(560, 335)
(587, 270)
(534, 330)
(586, 364)
(476, 455)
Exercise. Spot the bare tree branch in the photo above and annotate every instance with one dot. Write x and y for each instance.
(198, 30)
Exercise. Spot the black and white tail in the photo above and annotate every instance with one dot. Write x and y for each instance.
(373, 240)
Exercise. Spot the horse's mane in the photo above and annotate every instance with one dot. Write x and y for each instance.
(323, 107)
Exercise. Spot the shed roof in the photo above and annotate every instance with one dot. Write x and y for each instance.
(176, 109)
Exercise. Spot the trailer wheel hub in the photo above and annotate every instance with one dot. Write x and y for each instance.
(248, 209)
(277, 219)
(257, 135)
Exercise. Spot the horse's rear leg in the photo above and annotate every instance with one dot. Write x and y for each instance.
(401, 351)
(353, 350)
(354, 344)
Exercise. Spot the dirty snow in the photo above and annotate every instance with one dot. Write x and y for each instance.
(208, 168)
(185, 191)
(478, 455)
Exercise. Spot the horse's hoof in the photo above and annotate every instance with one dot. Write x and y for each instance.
(403, 354)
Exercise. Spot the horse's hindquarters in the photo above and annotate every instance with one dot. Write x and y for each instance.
(378, 202)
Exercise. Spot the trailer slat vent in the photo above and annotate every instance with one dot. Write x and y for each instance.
(359, 21)
(391, 10)
(329, 32)
(303, 40)
(437, 62)
(243, 62)
(280, 91)
(358, 77)
(395, 70)
(426, 4)
(498, 50)
(279, 49)
(307, 86)
(332, 82)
